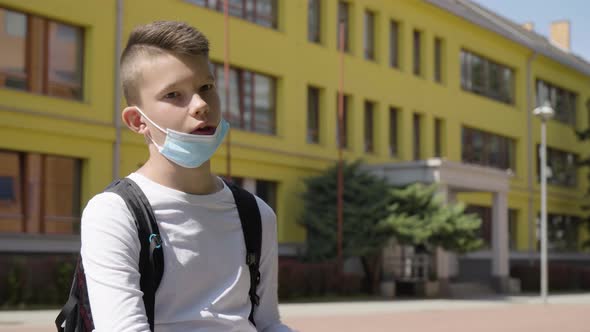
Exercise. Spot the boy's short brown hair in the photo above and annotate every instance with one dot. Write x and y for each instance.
(154, 39)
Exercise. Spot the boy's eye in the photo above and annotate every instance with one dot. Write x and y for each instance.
(207, 87)
(172, 95)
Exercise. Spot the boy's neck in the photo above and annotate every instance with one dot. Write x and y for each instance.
(196, 181)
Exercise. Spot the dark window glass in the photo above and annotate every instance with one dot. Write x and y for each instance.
(267, 191)
(487, 149)
(252, 103)
(438, 59)
(343, 17)
(314, 21)
(417, 53)
(394, 44)
(369, 132)
(563, 166)
(313, 115)
(7, 188)
(486, 78)
(393, 130)
(369, 40)
(417, 135)
(344, 122)
(261, 12)
(562, 232)
(562, 101)
(13, 42)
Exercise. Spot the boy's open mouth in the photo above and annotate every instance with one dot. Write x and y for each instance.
(207, 130)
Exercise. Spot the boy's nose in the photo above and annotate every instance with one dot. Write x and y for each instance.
(198, 106)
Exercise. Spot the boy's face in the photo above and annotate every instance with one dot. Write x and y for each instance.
(179, 93)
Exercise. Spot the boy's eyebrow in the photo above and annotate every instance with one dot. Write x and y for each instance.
(175, 83)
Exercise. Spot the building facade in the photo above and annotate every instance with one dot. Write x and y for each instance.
(423, 80)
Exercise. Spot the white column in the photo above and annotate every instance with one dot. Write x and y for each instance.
(500, 249)
(250, 185)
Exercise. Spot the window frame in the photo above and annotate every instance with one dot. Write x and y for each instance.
(37, 57)
(245, 124)
(470, 79)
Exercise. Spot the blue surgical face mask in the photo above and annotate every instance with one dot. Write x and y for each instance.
(188, 150)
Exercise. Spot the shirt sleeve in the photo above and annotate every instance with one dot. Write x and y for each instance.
(266, 315)
(110, 254)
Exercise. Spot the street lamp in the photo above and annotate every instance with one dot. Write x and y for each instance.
(544, 112)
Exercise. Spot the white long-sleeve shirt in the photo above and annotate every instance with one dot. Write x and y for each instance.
(206, 280)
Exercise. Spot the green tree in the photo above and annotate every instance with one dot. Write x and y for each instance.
(365, 206)
(418, 217)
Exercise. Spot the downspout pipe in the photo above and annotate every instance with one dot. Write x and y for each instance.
(117, 92)
(530, 154)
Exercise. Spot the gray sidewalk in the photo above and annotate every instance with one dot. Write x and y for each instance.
(42, 320)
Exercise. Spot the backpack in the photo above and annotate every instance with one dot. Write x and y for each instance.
(76, 314)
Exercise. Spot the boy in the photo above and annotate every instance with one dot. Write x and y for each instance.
(173, 103)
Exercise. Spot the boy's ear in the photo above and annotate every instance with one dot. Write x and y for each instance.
(132, 119)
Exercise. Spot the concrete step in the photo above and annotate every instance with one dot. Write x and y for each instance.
(464, 290)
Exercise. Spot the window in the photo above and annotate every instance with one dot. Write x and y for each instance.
(267, 191)
(45, 56)
(563, 101)
(343, 17)
(313, 115)
(393, 130)
(417, 53)
(252, 99)
(487, 149)
(314, 21)
(261, 12)
(345, 105)
(65, 61)
(13, 41)
(438, 137)
(438, 49)
(51, 186)
(417, 133)
(487, 78)
(562, 232)
(7, 192)
(369, 132)
(369, 40)
(563, 166)
(394, 44)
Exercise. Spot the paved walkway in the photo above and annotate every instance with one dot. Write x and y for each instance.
(563, 313)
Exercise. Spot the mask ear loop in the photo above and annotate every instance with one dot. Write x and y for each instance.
(153, 123)
(150, 120)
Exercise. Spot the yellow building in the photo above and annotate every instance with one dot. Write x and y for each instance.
(442, 87)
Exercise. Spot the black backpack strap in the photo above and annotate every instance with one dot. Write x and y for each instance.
(75, 315)
(252, 228)
(151, 258)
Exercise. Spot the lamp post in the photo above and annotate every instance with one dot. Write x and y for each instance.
(544, 112)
